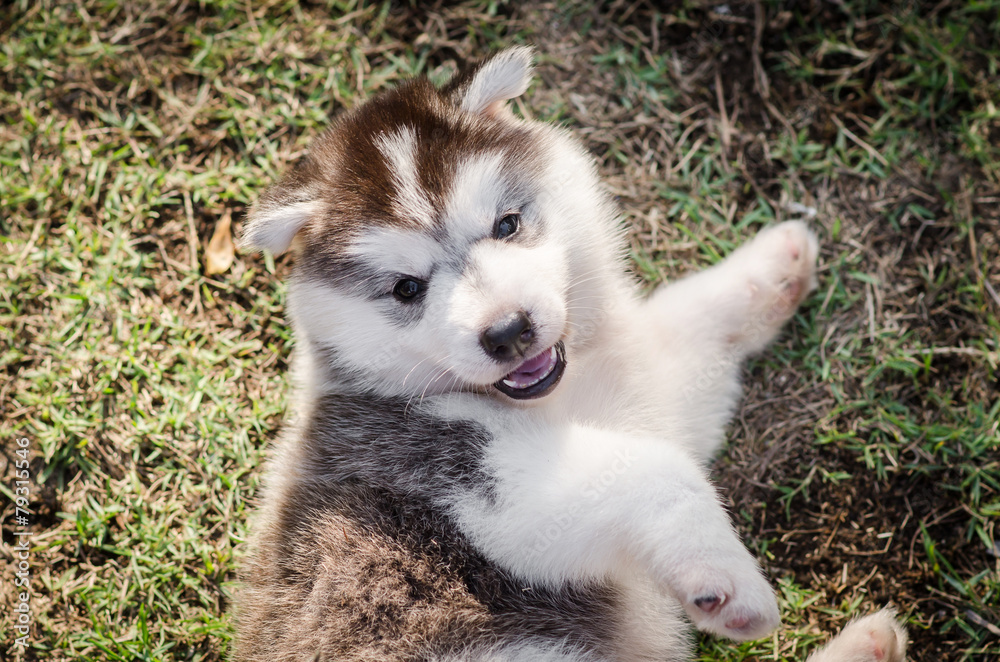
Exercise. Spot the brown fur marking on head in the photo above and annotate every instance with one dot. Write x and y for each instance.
(351, 178)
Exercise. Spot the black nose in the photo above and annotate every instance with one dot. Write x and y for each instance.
(509, 337)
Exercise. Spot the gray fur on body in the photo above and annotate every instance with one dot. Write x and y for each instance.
(356, 561)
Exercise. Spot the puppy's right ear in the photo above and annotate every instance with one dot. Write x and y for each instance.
(280, 213)
(485, 88)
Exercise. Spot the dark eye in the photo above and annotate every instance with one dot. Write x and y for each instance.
(407, 288)
(506, 226)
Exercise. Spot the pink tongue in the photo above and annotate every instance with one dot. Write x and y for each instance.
(531, 370)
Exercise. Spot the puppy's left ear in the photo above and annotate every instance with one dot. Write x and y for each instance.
(283, 210)
(486, 87)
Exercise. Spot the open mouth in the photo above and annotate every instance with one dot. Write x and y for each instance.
(535, 377)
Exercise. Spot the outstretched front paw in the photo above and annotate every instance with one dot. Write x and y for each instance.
(875, 638)
(779, 265)
(728, 600)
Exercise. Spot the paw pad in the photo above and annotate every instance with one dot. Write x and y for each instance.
(739, 624)
(709, 603)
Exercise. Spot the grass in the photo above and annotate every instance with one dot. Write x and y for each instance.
(865, 462)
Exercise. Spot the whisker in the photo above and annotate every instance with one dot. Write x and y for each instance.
(415, 366)
(431, 382)
(440, 372)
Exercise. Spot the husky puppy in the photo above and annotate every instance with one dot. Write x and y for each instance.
(498, 447)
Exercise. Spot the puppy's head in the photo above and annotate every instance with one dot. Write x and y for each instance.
(441, 243)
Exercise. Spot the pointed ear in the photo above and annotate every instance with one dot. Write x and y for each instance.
(280, 213)
(485, 89)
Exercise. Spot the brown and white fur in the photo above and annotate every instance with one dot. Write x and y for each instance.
(417, 508)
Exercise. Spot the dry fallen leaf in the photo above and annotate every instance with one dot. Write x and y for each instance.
(221, 250)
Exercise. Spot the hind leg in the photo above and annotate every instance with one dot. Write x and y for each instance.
(875, 638)
(706, 324)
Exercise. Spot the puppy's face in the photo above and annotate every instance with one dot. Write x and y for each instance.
(438, 240)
